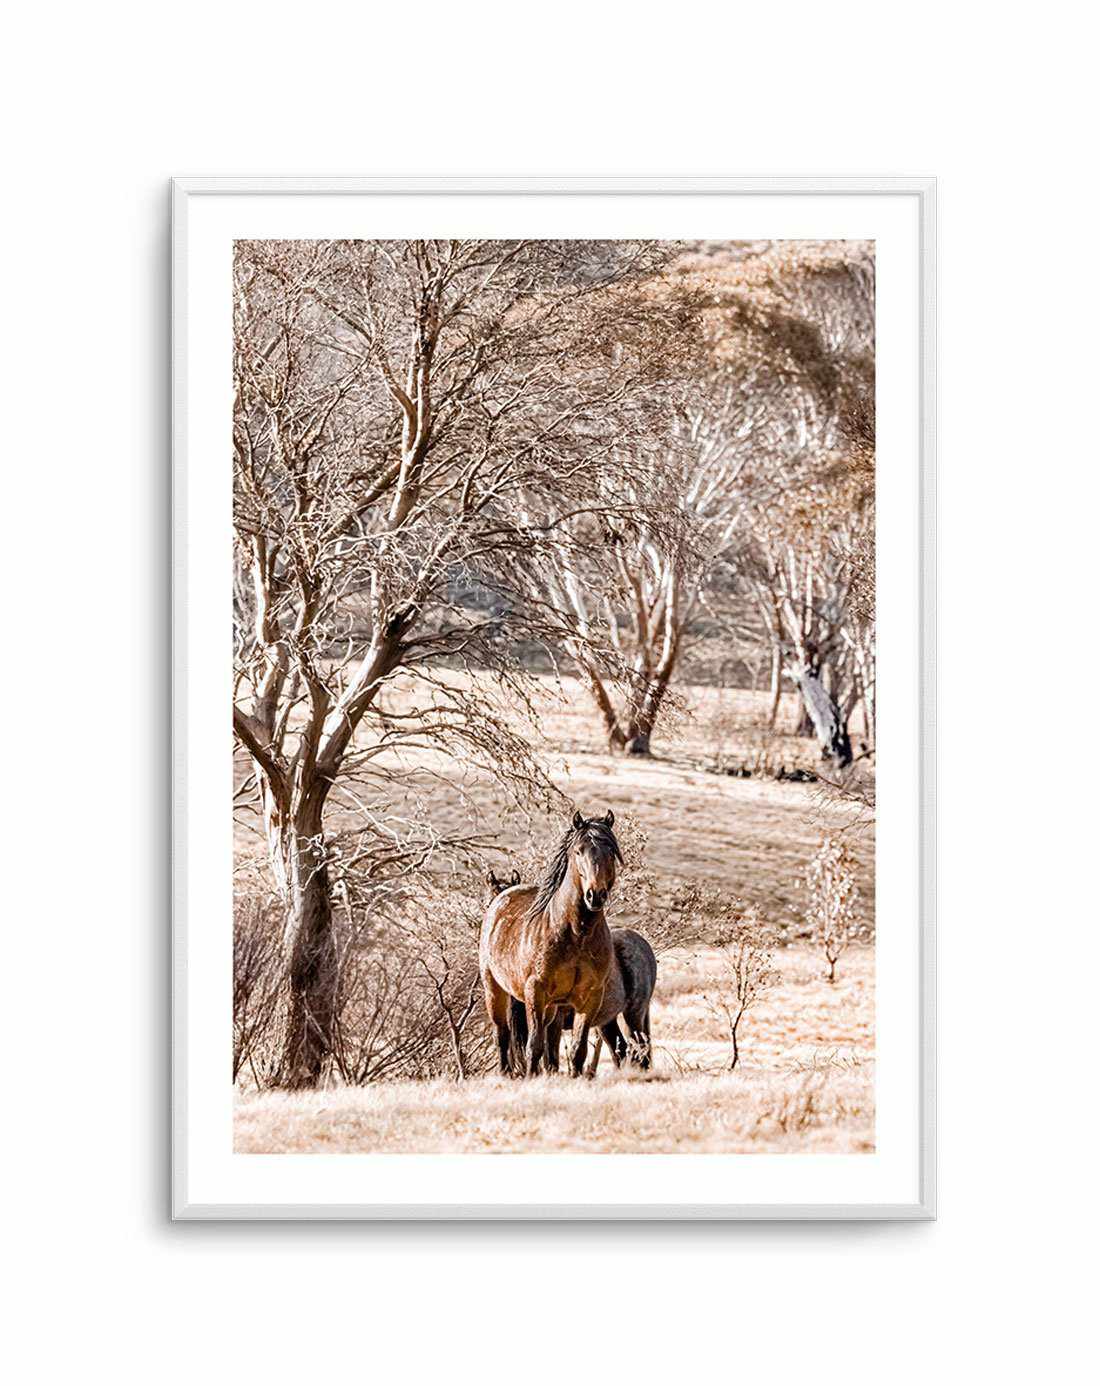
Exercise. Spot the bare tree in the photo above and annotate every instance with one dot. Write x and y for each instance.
(745, 950)
(632, 588)
(801, 589)
(796, 327)
(833, 913)
(414, 423)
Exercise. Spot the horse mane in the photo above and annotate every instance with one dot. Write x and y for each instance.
(597, 834)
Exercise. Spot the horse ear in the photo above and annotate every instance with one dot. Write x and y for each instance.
(578, 819)
(609, 818)
(515, 878)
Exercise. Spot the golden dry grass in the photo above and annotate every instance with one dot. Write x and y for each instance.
(825, 1112)
(805, 1083)
(806, 1080)
(829, 1111)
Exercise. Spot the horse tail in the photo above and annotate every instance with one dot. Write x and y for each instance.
(647, 1058)
(616, 1041)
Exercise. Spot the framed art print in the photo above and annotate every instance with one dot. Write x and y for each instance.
(553, 698)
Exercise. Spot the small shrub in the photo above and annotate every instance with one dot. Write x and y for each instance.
(746, 949)
(833, 913)
(257, 988)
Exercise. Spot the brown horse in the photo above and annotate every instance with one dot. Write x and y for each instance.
(549, 945)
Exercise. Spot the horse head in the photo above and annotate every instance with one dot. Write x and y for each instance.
(594, 855)
(497, 884)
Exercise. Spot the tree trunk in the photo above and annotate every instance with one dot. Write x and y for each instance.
(616, 740)
(869, 712)
(649, 697)
(776, 687)
(631, 733)
(640, 731)
(637, 743)
(310, 963)
(826, 719)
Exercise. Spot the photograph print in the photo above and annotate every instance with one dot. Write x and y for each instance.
(553, 697)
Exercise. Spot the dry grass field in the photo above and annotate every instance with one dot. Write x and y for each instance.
(806, 1077)
(807, 1084)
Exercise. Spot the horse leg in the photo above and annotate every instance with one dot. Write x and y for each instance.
(553, 1042)
(536, 1025)
(497, 1003)
(594, 1061)
(518, 1021)
(580, 1044)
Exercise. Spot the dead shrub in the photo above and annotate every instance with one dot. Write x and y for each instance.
(257, 988)
(833, 914)
(408, 996)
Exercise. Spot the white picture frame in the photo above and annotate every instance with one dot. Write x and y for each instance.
(208, 1181)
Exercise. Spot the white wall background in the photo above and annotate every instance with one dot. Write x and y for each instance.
(102, 104)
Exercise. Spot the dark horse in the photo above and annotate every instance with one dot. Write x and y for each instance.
(549, 946)
(497, 884)
(628, 992)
